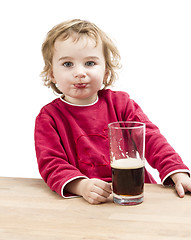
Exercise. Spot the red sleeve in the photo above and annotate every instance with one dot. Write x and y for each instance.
(158, 152)
(52, 159)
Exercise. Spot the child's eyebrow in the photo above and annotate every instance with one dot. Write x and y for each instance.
(92, 57)
(64, 58)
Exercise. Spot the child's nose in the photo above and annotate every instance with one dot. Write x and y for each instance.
(80, 75)
(79, 72)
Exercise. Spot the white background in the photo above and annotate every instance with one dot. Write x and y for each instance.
(154, 39)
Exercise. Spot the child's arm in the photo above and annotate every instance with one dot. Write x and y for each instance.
(93, 190)
(182, 183)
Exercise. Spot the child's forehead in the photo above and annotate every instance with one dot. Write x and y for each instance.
(80, 40)
(77, 49)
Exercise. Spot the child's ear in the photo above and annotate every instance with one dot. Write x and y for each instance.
(51, 77)
(106, 75)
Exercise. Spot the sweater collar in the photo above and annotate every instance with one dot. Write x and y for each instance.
(62, 99)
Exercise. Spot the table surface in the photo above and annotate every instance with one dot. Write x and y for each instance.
(30, 210)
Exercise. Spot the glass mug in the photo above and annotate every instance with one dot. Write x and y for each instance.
(127, 147)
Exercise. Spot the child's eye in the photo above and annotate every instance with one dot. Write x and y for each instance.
(90, 63)
(67, 64)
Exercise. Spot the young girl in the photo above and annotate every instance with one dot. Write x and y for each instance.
(71, 132)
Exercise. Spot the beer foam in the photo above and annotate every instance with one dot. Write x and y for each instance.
(128, 163)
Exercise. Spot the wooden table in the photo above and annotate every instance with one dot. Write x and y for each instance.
(30, 210)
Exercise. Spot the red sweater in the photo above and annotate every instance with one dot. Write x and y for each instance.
(72, 141)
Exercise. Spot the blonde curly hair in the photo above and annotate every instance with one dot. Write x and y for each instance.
(79, 28)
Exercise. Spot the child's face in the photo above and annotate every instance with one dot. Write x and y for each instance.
(78, 69)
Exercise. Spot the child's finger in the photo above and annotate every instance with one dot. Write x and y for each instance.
(102, 192)
(103, 185)
(108, 188)
(180, 190)
(96, 198)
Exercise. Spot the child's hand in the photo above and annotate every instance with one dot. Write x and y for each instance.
(94, 190)
(182, 183)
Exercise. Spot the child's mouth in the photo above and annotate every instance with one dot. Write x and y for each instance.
(80, 85)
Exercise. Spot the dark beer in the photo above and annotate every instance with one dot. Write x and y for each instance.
(128, 177)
